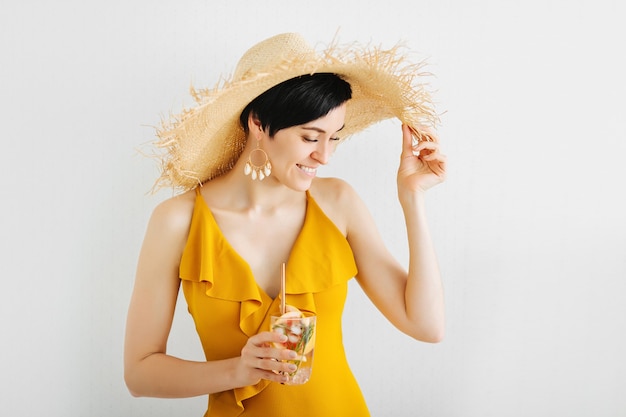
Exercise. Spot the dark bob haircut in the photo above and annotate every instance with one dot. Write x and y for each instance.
(297, 101)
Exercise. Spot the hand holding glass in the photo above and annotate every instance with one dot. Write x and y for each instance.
(300, 331)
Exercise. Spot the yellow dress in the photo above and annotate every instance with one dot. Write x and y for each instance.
(228, 307)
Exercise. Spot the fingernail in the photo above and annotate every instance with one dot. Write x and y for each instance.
(292, 354)
(292, 367)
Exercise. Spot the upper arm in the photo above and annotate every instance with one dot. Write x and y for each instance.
(156, 286)
(380, 275)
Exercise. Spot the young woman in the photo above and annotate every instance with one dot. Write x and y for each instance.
(246, 158)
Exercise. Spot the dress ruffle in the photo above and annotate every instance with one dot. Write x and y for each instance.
(309, 270)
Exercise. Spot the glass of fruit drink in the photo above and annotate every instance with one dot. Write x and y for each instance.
(300, 331)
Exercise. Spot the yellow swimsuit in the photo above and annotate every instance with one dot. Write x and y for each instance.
(228, 307)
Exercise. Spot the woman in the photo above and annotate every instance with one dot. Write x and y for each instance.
(246, 158)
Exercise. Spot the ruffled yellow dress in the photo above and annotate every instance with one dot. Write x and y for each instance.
(228, 307)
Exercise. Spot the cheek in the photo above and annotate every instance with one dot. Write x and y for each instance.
(282, 158)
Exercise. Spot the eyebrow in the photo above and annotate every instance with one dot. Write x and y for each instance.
(317, 129)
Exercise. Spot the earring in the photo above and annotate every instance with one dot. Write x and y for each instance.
(258, 171)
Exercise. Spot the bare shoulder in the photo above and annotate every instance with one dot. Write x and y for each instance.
(336, 198)
(329, 190)
(174, 214)
(163, 244)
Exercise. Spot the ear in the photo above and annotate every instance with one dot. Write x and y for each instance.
(254, 124)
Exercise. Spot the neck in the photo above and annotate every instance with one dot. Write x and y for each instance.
(240, 191)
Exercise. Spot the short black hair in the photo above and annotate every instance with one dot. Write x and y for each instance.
(297, 101)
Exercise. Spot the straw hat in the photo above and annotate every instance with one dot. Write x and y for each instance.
(205, 141)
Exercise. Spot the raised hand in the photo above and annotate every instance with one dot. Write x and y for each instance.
(421, 165)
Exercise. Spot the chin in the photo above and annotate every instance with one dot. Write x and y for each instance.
(300, 185)
(297, 183)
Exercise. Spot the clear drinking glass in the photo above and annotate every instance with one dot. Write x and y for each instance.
(300, 332)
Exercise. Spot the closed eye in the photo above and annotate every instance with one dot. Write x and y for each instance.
(309, 140)
(317, 129)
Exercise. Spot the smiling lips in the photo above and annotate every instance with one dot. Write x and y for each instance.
(308, 170)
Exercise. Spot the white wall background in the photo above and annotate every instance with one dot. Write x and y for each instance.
(530, 226)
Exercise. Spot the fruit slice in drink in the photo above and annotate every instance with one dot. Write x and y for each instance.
(300, 331)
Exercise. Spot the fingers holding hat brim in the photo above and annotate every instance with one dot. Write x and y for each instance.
(414, 141)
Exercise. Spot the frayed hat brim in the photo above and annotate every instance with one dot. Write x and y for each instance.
(205, 141)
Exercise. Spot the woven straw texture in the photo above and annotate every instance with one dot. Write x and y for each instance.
(206, 140)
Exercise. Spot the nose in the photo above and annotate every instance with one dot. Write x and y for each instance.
(323, 152)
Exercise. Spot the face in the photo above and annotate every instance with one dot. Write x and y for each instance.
(296, 152)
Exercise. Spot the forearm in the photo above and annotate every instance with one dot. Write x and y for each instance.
(424, 291)
(164, 376)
